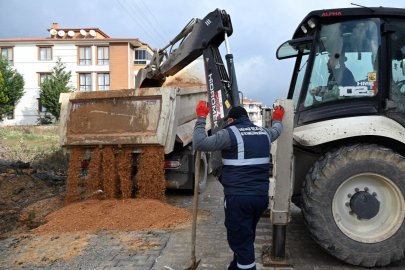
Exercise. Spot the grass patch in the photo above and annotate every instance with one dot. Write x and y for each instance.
(38, 145)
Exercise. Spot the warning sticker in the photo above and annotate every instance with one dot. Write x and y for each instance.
(218, 104)
(372, 76)
(227, 104)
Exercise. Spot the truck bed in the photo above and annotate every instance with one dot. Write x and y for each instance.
(130, 117)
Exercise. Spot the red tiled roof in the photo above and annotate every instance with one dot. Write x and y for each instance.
(73, 39)
(250, 101)
(68, 39)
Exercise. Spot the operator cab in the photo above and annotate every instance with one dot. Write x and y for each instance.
(349, 62)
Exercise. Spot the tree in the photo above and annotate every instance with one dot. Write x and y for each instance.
(53, 86)
(11, 87)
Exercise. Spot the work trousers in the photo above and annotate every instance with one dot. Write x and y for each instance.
(242, 213)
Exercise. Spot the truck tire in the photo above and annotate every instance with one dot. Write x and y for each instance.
(353, 204)
(203, 171)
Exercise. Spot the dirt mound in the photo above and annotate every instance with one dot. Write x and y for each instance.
(25, 200)
(132, 214)
(38, 211)
(150, 178)
(16, 190)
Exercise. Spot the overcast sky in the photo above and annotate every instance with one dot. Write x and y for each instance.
(259, 28)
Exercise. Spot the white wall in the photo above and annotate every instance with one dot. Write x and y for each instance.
(27, 63)
(256, 118)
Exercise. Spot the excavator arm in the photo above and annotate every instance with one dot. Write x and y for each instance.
(199, 37)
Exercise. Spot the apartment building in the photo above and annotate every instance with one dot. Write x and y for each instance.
(97, 61)
(253, 109)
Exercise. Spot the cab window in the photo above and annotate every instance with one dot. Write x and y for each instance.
(346, 62)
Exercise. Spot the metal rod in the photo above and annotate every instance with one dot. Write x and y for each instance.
(228, 51)
(278, 246)
(240, 92)
(234, 83)
(195, 206)
(362, 6)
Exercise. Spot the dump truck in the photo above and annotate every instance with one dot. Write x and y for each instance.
(138, 118)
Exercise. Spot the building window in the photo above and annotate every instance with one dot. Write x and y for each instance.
(85, 81)
(103, 81)
(8, 54)
(40, 107)
(103, 56)
(42, 76)
(84, 56)
(250, 106)
(141, 56)
(45, 53)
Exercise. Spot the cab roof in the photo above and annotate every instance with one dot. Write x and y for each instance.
(358, 12)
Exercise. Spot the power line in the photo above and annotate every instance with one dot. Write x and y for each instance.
(155, 20)
(143, 23)
(156, 38)
(136, 21)
(146, 19)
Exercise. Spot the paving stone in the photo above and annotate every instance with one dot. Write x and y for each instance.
(214, 252)
(104, 253)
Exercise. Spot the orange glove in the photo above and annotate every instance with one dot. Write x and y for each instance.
(278, 113)
(203, 108)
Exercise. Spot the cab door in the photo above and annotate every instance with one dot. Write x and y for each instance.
(396, 103)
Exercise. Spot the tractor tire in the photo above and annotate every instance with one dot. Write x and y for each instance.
(331, 193)
(202, 182)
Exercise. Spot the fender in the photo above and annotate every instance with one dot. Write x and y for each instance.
(332, 130)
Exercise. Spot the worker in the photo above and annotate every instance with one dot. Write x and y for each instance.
(245, 150)
(339, 75)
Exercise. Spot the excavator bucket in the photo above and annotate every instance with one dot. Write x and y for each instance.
(141, 80)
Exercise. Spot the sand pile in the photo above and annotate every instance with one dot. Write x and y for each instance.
(150, 179)
(131, 214)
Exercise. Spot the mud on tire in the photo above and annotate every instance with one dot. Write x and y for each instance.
(324, 179)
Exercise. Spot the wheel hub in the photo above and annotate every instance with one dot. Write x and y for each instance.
(364, 218)
(364, 205)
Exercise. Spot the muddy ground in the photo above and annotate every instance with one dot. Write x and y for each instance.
(27, 197)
